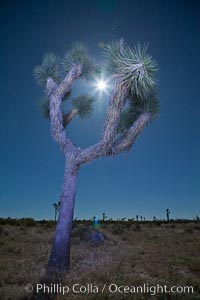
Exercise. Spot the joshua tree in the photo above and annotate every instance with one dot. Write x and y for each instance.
(104, 217)
(141, 218)
(137, 218)
(133, 104)
(168, 213)
(56, 207)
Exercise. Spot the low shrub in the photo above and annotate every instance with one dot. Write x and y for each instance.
(117, 229)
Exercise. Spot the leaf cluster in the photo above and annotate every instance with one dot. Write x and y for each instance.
(135, 67)
(55, 67)
(78, 55)
(50, 67)
(84, 105)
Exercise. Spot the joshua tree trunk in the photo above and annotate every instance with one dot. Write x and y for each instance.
(59, 260)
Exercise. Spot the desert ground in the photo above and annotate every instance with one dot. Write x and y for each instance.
(132, 254)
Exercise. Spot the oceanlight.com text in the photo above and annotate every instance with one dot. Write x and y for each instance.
(112, 288)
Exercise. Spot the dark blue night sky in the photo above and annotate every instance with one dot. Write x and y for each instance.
(163, 168)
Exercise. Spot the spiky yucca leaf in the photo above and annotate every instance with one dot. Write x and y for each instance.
(84, 105)
(134, 67)
(44, 107)
(78, 55)
(149, 105)
(50, 67)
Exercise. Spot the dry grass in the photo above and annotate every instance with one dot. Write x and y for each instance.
(131, 255)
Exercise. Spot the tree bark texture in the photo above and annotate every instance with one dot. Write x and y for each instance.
(59, 260)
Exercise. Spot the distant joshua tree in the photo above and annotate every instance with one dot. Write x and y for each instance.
(154, 218)
(168, 213)
(104, 217)
(137, 218)
(141, 218)
(133, 104)
(56, 207)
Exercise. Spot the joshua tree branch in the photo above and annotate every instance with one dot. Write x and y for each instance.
(56, 119)
(116, 104)
(68, 117)
(90, 153)
(127, 140)
(67, 82)
(55, 93)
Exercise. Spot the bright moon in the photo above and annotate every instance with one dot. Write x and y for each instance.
(101, 85)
